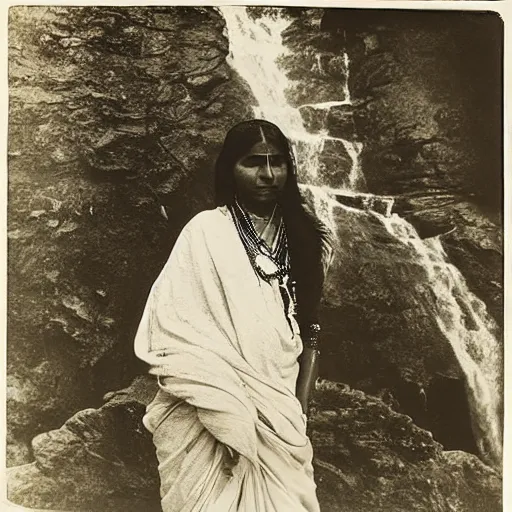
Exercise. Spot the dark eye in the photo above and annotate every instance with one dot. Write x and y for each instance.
(277, 160)
(254, 161)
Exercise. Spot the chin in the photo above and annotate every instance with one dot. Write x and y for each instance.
(267, 201)
(266, 197)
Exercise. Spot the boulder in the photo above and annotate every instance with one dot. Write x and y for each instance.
(367, 457)
(100, 459)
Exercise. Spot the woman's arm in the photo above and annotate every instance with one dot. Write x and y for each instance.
(308, 365)
(308, 374)
(309, 360)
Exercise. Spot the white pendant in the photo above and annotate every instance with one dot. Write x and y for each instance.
(264, 250)
(265, 264)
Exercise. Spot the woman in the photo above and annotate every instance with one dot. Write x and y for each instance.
(221, 332)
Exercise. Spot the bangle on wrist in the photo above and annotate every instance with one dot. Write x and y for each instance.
(311, 338)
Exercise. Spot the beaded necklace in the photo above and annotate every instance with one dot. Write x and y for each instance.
(268, 262)
(268, 223)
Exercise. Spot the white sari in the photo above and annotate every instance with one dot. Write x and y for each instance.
(226, 359)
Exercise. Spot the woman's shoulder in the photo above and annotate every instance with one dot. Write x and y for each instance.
(207, 219)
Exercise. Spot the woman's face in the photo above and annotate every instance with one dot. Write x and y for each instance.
(260, 175)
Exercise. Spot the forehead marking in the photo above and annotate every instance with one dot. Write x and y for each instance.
(263, 138)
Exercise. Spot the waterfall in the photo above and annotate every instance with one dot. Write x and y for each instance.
(255, 49)
(463, 319)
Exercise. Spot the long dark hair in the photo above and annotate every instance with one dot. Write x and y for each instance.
(304, 238)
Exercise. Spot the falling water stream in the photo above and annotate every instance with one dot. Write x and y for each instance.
(255, 48)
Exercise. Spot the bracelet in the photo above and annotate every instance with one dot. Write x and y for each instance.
(313, 346)
(311, 339)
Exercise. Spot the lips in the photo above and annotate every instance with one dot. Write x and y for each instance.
(266, 189)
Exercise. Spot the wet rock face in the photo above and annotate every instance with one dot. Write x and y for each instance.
(471, 236)
(116, 117)
(379, 329)
(334, 155)
(428, 107)
(399, 322)
(427, 116)
(428, 94)
(367, 457)
(317, 75)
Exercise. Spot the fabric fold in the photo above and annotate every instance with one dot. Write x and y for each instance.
(225, 356)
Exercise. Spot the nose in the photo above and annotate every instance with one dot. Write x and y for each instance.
(266, 172)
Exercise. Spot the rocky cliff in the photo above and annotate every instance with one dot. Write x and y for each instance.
(428, 94)
(116, 115)
(113, 130)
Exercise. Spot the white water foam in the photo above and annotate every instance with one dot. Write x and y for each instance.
(326, 105)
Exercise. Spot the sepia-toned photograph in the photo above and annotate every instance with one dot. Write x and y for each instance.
(255, 259)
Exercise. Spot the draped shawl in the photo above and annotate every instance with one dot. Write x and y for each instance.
(225, 354)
